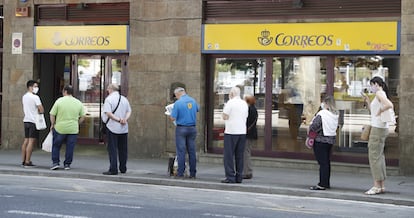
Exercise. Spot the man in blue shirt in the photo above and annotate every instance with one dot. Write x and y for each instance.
(184, 114)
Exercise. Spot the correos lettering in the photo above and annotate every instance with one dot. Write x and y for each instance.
(303, 40)
(88, 40)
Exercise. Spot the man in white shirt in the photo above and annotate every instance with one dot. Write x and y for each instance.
(31, 107)
(235, 114)
(116, 112)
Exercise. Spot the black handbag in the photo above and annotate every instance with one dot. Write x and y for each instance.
(104, 129)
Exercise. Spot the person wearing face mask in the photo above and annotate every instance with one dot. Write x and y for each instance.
(31, 107)
(378, 134)
(324, 124)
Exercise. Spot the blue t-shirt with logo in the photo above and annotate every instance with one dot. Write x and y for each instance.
(185, 111)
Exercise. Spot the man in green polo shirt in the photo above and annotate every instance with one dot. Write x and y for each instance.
(65, 116)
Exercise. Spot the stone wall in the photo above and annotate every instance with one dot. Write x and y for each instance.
(17, 70)
(165, 48)
(406, 115)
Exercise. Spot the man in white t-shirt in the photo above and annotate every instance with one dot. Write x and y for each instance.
(31, 107)
(235, 114)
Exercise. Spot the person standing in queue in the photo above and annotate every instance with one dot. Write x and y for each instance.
(235, 114)
(325, 124)
(379, 132)
(65, 117)
(184, 113)
(251, 136)
(31, 107)
(116, 112)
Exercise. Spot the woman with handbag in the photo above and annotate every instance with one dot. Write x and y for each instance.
(378, 134)
(324, 124)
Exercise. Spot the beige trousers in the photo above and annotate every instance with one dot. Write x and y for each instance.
(376, 155)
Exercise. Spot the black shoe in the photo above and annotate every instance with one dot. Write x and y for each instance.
(29, 165)
(55, 167)
(248, 176)
(226, 181)
(67, 167)
(317, 187)
(110, 173)
(192, 177)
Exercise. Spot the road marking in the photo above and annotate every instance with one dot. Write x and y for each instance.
(102, 204)
(222, 215)
(6, 196)
(31, 213)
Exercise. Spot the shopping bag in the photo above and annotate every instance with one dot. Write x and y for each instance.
(310, 139)
(48, 142)
(40, 122)
(366, 130)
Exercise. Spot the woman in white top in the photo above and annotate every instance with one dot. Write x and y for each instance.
(379, 132)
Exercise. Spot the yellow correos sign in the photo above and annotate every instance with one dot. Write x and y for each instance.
(324, 38)
(111, 38)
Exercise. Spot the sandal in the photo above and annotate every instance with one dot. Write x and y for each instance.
(375, 190)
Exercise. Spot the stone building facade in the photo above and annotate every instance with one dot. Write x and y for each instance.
(165, 38)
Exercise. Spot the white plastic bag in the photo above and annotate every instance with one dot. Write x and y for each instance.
(48, 142)
(40, 122)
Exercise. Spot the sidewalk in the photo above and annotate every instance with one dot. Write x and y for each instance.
(89, 164)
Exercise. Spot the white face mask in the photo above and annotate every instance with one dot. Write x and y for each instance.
(35, 90)
(374, 89)
(322, 106)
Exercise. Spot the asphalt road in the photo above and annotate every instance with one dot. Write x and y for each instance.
(31, 196)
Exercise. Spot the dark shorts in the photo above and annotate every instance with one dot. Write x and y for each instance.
(30, 130)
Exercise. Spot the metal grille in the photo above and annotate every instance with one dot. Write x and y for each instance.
(97, 13)
(216, 10)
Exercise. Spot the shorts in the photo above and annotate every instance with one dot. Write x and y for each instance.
(30, 130)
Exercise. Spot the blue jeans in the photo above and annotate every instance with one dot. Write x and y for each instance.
(185, 141)
(234, 151)
(322, 153)
(117, 148)
(58, 140)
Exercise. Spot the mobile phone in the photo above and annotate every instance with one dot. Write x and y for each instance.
(363, 93)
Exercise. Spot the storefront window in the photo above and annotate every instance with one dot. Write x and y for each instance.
(298, 84)
(352, 76)
(248, 75)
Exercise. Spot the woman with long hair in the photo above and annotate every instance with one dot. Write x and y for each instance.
(378, 134)
(324, 124)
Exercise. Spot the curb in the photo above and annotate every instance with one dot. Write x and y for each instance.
(354, 195)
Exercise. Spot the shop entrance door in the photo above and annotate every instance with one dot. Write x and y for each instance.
(91, 74)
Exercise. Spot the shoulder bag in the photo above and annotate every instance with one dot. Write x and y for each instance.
(103, 124)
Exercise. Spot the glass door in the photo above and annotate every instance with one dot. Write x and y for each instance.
(91, 75)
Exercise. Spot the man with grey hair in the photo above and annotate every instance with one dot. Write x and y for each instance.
(235, 114)
(184, 114)
(116, 112)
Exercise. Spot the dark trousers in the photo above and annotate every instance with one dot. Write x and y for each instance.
(233, 156)
(295, 119)
(58, 140)
(117, 147)
(322, 153)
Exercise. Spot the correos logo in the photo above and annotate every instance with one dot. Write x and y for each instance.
(283, 39)
(81, 40)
